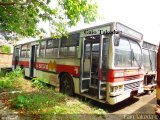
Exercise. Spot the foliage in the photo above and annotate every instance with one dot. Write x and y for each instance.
(36, 102)
(5, 49)
(22, 16)
(11, 79)
(47, 105)
(36, 82)
(22, 101)
(2, 74)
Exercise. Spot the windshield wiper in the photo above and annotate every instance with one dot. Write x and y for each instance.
(134, 58)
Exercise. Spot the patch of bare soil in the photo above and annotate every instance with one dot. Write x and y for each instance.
(27, 86)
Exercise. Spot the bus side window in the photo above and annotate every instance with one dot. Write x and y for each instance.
(72, 51)
(153, 60)
(37, 52)
(49, 48)
(146, 60)
(24, 50)
(28, 50)
(69, 46)
(42, 48)
(55, 47)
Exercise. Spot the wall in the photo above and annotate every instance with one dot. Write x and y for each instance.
(5, 60)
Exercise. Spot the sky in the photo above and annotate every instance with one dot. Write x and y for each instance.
(141, 15)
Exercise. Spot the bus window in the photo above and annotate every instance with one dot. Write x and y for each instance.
(123, 54)
(23, 50)
(63, 52)
(71, 51)
(42, 48)
(49, 48)
(136, 55)
(153, 60)
(69, 46)
(64, 47)
(37, 51)
(55, 47)
(146, 60)
(28, 50)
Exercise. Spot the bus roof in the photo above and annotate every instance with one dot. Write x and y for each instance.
(148, 45)
(110, 27)
(102, 29)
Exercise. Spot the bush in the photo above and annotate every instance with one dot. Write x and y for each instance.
(2, 74)
(11, 79)
(36, 82)
(5, 49)
(37, 101)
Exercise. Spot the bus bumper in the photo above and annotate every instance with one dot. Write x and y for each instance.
(126, 94)
(149, 87)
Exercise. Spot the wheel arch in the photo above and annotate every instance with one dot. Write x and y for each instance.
(63, 73)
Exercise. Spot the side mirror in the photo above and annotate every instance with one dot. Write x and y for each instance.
(116, 40)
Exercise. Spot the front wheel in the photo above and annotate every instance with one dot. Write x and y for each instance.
(66, 85)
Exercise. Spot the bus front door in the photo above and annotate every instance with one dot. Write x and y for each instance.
(91, 63)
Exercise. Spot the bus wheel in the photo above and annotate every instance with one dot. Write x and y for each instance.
(66, 85)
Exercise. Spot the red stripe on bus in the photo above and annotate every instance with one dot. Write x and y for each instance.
(42, 66)
(73, 70)
(23, 63)
(13, 62)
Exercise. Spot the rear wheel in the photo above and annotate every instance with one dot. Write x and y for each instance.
(66, 85)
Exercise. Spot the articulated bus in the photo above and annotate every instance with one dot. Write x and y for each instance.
(103, 63)
(149, 62)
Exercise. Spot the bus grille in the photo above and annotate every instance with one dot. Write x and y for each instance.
(132, 86)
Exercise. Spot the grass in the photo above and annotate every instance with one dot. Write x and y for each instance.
(11, 80)
(40, 102)
(48, 104)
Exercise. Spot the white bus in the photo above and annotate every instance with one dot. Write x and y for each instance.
(149, 62)
(103, 63)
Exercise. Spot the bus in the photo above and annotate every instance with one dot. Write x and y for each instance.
(103, 63)
(149, 62)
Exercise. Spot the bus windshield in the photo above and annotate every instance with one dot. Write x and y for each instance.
(127, 54)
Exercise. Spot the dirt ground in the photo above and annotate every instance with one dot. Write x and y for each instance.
(129, 109)
(136, 108)
(143, 104)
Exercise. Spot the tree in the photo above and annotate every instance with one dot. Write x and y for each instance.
(21, 16)
(5, 49)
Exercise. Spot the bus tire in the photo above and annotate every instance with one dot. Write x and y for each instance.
(66, 85)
